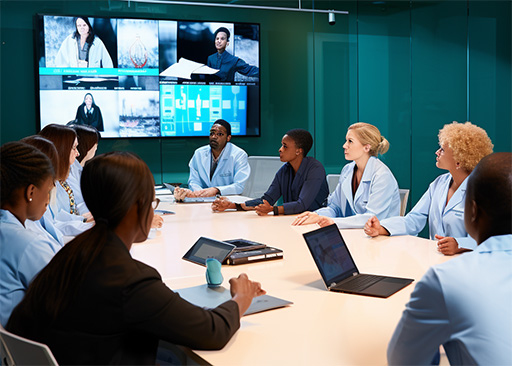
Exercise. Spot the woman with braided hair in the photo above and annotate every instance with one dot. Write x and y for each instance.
(93, 304)
(26, 177)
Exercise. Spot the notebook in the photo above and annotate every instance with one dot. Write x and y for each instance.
(338, 270)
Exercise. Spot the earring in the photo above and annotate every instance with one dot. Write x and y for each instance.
(30, 199)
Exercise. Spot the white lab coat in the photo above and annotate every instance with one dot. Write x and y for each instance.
(443, 219)
(75, 174)
(68, 54)
(232, 171)
(377, 195)
(69, 224)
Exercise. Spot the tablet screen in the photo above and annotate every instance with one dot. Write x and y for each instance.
(208, 248)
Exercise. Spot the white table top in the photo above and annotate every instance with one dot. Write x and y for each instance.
(321, 327)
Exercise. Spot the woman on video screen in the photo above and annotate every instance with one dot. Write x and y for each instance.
(83, 48)
(88, 113)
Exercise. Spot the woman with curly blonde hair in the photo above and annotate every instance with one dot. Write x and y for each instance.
(462, 146)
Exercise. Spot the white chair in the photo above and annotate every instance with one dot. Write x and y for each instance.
(404, 196)
(16, 350)
(332, 181)
(263, 170)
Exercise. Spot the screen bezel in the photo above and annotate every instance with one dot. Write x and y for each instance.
(39, 42)
(225, 251)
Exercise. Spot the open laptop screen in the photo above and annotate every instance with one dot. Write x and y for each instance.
(330, 254)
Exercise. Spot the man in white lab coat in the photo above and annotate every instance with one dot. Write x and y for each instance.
(218, 168)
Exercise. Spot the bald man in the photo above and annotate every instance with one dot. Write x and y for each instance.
(466, 304)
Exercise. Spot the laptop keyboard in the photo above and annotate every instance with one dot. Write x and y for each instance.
(359, 283)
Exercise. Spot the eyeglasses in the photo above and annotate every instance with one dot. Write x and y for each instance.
(155, 203)
(218, 134)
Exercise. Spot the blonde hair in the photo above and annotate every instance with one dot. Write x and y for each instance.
(368, 134)
(469, 143)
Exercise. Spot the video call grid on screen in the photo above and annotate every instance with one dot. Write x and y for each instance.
(143, 77)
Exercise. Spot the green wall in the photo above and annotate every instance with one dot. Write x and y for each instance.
(408, 67)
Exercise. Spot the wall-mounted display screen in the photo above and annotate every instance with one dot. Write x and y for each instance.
(147, 77)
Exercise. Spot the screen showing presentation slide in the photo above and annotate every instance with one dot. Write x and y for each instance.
(148, 77)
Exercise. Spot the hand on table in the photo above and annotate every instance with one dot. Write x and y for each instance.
(181, 193)
(373, 227)
(244, 290)
(207, 192)
(308, 218)
(157, 222)
(222, 204)
(447, 245)
(264, 208)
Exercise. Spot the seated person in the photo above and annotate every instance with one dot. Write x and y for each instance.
(46, 224)
(95, 304)
(26, 177)
(301, 181)
(218, 168)
(226, 63)
(68, 219)
(462, 145)
(88, 138)
(366, 186)
(465, 304)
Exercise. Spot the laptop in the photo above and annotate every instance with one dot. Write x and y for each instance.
(338, 270)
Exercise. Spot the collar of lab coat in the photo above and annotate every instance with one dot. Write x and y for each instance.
(367, 177)
(458, 196)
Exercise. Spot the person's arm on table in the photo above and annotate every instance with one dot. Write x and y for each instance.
(150, 306)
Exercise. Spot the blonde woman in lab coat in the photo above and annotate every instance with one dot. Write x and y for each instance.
(462, 146)
(366, 187)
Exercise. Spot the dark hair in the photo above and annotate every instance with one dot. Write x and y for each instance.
(111, 184)
(76, 35)
(224, 124)
(20, 166)
(45, 146)
(85, 96)
(88, 136)
(63, 137)
(222, 29)
(490, 186)
(302, 138)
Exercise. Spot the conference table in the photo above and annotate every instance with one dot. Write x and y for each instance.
(321, 327)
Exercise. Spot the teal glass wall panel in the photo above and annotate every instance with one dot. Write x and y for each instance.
(439, 79)
(400, 65)
(490, 70)
(334, 83)
(384, 87)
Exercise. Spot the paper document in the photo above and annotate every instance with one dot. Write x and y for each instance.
(212, 297)
(185, 68)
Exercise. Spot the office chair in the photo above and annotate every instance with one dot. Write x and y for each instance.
(332, 181)
(404, 196)
(16, 351)
(263, 170)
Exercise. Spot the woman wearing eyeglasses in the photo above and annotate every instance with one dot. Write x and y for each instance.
(95, 305)
(65, 210)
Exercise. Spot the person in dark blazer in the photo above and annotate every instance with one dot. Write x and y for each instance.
(226, 63)
(88, 113)
(94, 304)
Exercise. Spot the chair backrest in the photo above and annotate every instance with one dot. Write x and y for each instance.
(404, 196)
(332, 181)
(17, 350)
(263, 170)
